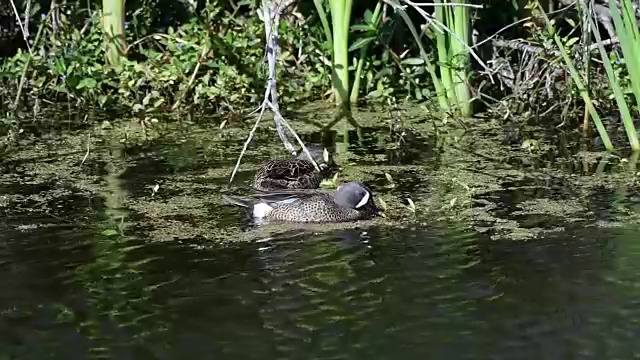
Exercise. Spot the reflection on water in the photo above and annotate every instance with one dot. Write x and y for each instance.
(355, 294)
(78, 284)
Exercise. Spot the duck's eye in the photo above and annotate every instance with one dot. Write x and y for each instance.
(364, 200)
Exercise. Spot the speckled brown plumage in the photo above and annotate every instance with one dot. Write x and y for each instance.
(351, 201)
(288, 174)
(295, 173)
(315, 208)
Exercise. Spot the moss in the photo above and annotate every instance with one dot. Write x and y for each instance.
(469, 178)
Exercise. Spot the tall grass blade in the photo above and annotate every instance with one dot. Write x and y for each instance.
(575, 76)
(630, 46)
(437, 84)
(617, 91)
(444, 55)
(461, 25)
(113, 23)
(340, 17)
(357, 77)
(324, 19)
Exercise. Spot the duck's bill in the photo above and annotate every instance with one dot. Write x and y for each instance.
(381, 214)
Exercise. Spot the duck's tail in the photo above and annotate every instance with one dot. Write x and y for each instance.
(238, 201)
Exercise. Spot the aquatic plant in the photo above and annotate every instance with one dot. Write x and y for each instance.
(450, 26)
(180, 68)
(453, 53)
(338, 39)
(626, 30)
(579, 81)
(212, 59)
(626, 27)
(370, 28)
(113, 22)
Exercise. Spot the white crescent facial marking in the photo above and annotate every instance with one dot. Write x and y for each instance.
(364, 200)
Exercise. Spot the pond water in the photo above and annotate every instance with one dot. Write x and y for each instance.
(537, 263)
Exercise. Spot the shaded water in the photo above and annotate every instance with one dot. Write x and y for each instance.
(81, 281)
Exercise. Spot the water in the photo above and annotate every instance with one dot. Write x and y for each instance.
(79, 284)
(422, 292)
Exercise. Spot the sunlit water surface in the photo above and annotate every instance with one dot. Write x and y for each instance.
(418, 291)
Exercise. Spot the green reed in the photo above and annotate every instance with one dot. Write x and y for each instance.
(451, 25)
(628, 33)
(113, 23)
(338, 38)
(453, 54)
(579, 81)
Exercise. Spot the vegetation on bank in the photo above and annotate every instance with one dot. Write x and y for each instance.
(214, 61)
(526, 58)
(192, 65)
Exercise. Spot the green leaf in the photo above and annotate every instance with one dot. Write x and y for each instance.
(384, 73)
(362, 42)
(375, 94)
(413, 61)
(61, 88)
(71, 68)
(571, 41)
(146, 99)
(360, 27)
(88, 83)
(367, 16)
(102, 99)
(60, 66)
(109, 232)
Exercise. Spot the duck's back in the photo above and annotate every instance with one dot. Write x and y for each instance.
(287, 174)
(316, 208)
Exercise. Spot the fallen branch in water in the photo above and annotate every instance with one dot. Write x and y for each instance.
(271, 11)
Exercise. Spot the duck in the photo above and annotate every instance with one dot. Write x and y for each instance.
(351, 201)
(294, 173)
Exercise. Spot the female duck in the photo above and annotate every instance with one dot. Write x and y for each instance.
(295, 173)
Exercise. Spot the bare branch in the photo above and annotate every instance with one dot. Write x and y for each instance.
(25, 32)
(271, 12)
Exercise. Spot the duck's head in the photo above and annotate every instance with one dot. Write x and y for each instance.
(358, 196)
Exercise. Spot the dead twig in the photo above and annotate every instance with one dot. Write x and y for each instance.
(23, 29)
(271, 11)
(205, 50)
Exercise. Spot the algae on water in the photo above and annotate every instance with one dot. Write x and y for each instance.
(424, 171)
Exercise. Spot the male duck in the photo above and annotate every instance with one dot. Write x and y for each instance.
(351, 201)
(294, 173)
